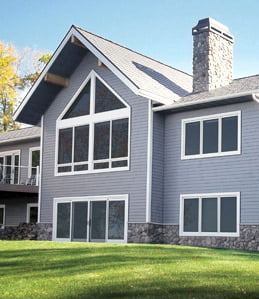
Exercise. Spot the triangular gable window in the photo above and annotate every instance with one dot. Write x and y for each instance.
(105, 100)
(93, 131)
(81, 106)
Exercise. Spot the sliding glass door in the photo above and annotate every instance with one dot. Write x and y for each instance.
(98, 220)
(79, 221)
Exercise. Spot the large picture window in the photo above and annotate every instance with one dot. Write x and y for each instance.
(93, 131)
(111, 144)
(214, 135)
(210, 214)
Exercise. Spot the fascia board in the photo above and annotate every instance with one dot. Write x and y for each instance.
(207, 100)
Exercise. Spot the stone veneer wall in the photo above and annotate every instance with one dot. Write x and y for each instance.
(147, 233)
(44, 231)
(212, 61)
(27, 231)
(169, 234)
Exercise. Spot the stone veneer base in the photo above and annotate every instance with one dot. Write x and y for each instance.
(147, 233)
(169, 234)
(27, 231)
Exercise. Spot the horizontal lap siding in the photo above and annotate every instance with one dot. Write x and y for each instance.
(238, 173)
(16, 209)
(132, 182)
(157, 169)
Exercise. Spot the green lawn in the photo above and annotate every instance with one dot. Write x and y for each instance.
(33, 269)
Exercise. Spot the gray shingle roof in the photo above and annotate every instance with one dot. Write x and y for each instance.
(246, 85)
(146, 73)
(22, 134)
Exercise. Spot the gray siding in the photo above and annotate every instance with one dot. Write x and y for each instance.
(238, 173)
(24, 148)
(16, 207)
(157, 169)
(132, 182)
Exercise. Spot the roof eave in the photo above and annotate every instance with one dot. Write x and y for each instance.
(43, 73)
(208, 101)
(74, 31)
(16, 140)
(157, 98)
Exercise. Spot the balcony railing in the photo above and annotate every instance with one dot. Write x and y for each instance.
(19, 175)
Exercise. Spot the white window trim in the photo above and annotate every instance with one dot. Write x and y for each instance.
(31, 149)
(209, 195)
(89, 199)
(30, 205)
(2, 225)
(209, 117)
(91, 120)
(13, 153)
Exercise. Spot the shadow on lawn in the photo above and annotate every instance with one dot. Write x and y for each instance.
(148, 291)
(67, 261)
(76, 260)
(109, 261)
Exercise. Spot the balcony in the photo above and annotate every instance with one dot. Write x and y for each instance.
(21, 179)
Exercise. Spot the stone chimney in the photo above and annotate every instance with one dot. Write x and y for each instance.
(212, 55)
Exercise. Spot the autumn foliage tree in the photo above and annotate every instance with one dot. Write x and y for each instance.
(8, 82)
(18, 71)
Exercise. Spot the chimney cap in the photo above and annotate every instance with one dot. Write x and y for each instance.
(211, 25)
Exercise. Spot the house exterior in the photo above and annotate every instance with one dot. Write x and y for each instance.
(19, 173)
(136, 151)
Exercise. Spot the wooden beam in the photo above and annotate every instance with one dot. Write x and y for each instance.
(76, 42)
(102, 64)
(56, 79)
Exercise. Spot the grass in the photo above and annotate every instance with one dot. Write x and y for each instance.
(34, 269)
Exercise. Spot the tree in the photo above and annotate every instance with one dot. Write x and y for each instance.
(30, 65)
(19, 69)
(8, 82)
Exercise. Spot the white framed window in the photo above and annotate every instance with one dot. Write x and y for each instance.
(210, 214)
(2, 216)
(34, 161)
(211, 136)
(10, 167)
(93, 131)
(91, 219)
(32, 213)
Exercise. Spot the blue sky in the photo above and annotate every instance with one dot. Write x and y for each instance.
(160, 29)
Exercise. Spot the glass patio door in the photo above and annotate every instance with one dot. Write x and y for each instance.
(9, 169)
(79, 221)
(98, 221)
(91, 220)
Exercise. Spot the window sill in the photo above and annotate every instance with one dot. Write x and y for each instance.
(92, 171)
(212, 155)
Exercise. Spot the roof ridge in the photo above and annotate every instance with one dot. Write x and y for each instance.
(115, 43)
